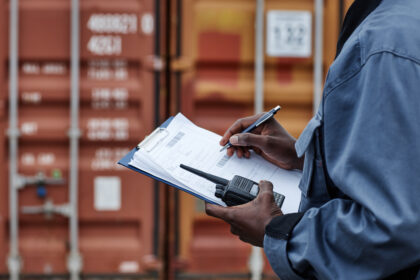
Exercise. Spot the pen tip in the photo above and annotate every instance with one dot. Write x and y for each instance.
(222, 149)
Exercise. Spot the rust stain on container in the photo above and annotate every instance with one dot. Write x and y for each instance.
(217, 46)
(284, 73)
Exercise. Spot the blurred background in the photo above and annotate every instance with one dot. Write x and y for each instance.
(83, 81)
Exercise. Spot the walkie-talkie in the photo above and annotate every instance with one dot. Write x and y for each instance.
(237, 191)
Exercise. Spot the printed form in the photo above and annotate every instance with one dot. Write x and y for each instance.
(182, 142)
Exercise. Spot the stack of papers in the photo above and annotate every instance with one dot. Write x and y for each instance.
(182, 142)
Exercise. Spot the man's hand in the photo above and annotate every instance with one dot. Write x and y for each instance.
(270, 140)
(248, 221)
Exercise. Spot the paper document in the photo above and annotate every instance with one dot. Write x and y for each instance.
(182, 142)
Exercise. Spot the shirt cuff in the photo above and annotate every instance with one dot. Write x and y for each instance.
(275, 250)
(277, 233)
(282, 226)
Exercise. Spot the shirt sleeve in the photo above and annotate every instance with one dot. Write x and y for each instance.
(372, 150)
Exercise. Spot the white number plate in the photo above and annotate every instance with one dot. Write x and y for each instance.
(289, 33)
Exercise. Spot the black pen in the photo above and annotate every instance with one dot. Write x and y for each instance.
(257, 123)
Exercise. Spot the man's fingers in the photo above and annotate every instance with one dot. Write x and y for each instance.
(230, 152)
(257, 150)
(238, 127)
(249, 139)
(247, 154)
(218, 212)
(239, 152)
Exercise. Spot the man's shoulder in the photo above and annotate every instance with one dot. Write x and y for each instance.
(394, 27)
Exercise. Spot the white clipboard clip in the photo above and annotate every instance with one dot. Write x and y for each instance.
(154, 139)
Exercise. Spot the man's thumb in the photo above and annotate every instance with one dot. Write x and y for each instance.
(265, 186)
(248, 139)
(265, 194)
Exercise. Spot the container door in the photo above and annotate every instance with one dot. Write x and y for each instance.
(116, 215)
(116, 204)
(218, 42)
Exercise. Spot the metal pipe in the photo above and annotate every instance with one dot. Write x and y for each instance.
(259, 57)
(74, 260)
(178, 90)
(318, 59)
(256, 263)
(157, 73)
(14, 263)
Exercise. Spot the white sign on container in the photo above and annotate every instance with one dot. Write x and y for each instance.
(107, 193)
(289, 33)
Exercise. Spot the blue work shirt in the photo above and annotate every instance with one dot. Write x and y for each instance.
(368, 131)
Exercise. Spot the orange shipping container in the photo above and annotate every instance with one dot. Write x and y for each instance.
(218, 53)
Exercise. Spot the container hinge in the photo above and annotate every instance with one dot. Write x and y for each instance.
(74, 263)
(154, 63)
(19, 182)
(151, 263)
(48, 209)
(13, 132)
(182, 64)
(74, 133)
(14, 264)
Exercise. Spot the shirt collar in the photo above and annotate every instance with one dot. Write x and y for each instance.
(357, 13)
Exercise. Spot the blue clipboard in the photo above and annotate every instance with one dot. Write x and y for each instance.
(127, 158)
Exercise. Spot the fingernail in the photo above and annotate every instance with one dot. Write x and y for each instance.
(234, 140)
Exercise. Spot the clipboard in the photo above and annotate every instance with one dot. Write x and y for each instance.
(127, 158)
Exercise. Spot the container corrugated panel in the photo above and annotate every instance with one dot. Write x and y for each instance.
(116, 110)
(4, 184)
(218, 40)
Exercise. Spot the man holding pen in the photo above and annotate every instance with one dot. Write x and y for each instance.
(359, 216)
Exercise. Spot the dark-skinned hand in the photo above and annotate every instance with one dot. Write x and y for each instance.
(270, 140)
(248, 221)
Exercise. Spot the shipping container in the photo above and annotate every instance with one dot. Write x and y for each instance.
(116, 206)
(218, 54)
(212, 60)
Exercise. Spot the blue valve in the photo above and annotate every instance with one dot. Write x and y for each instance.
(41, 191)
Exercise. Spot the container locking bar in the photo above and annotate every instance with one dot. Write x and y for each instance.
(38, 180)
(48, 209)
